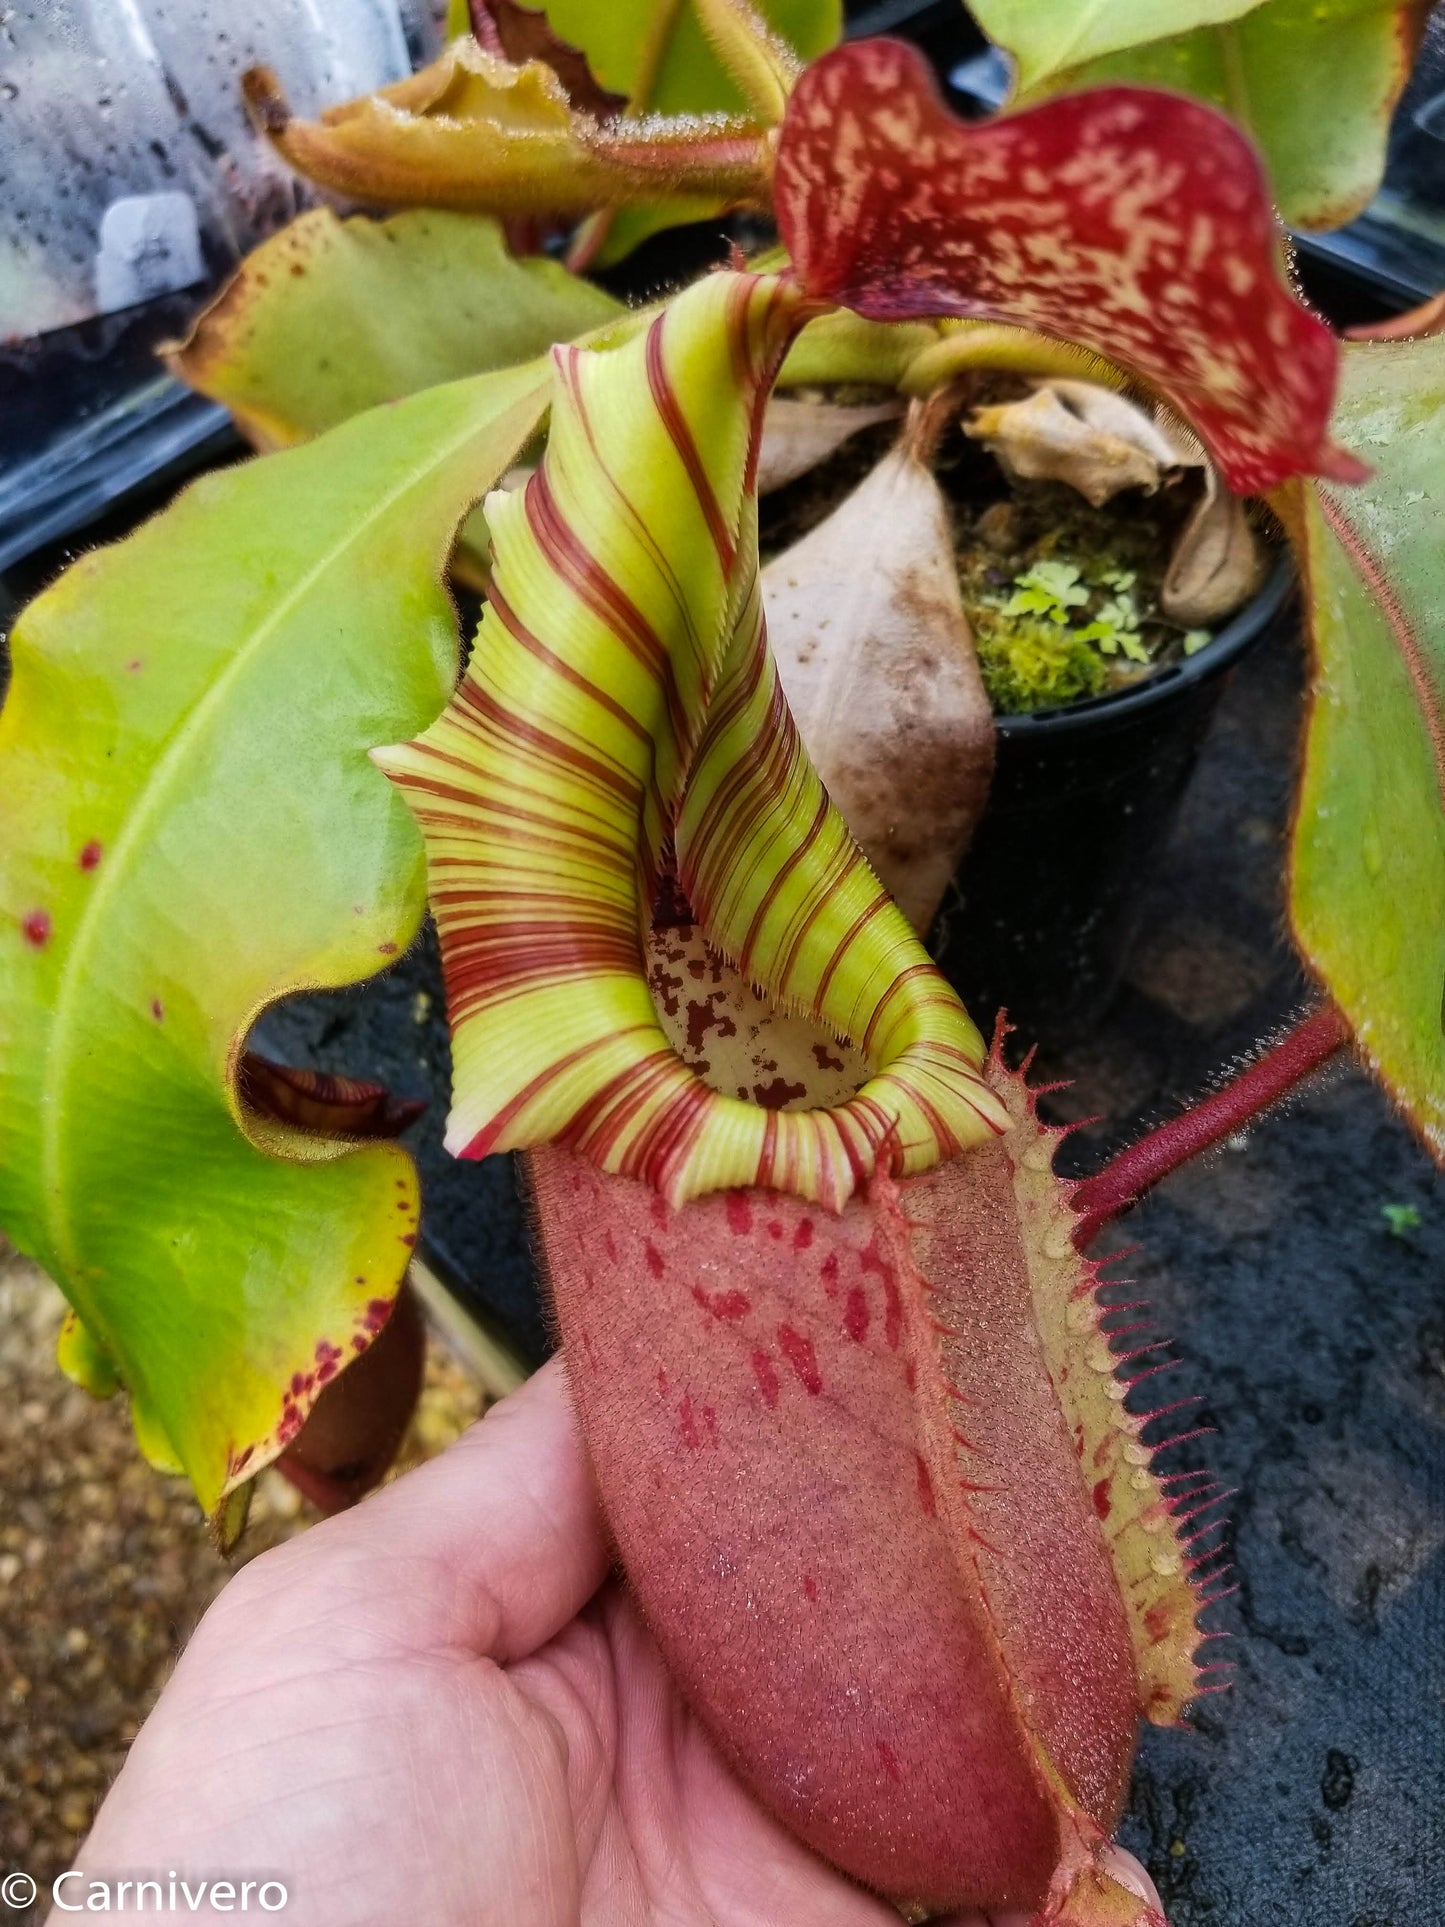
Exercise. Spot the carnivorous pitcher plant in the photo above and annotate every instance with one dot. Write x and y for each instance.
(847, 1381)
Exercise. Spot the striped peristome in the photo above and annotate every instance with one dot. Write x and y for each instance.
(621, 709)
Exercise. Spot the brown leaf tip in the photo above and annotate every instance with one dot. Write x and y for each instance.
(265, 101)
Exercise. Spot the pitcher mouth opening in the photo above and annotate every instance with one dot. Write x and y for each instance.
(737, 1042)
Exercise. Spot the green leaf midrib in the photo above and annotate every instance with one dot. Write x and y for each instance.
(193, 730)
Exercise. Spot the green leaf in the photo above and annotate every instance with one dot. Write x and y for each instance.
(1368, 882)
(193, 828)
(1050, 37)
(1058, 579)
(655, 52)
(843, 347)
(331, 317)
(1313, 81)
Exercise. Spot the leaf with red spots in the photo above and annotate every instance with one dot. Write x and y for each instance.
(1132, 223)
(356, 1427)
(193, 707)
(873, 1481)
(330, 317)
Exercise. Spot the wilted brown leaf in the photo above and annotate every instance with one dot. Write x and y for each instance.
(1097, 441)
(877, 662)
(797, 435)
(1218, 561)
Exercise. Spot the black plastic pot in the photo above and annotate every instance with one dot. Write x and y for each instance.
(1047, 902)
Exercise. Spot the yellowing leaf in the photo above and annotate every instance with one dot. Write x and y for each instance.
(474, 132)
(192, 829)
(333, 316)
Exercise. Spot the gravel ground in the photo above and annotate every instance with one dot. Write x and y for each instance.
(105, 1568)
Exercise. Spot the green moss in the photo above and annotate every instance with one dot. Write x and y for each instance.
(1029, 662)
(1063, 599)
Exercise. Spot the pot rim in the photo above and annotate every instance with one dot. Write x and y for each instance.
(1219, 654)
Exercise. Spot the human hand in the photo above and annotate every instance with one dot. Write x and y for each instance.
(437, 1707)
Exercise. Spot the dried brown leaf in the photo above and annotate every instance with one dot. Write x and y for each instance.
(877, 662)
(1097, 441)
(798, 435)
(1218, 562)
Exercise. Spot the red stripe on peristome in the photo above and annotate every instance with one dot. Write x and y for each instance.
(842, 862)
(668, 1142)
(521, 732)
(604, 1116)
(777, 882)
(768, 1152)
(485, 1140)
(527, 958)
(845, 944)
(641, 530)
(755, 382)
(900, 981)
(942, 1136)
(481, 819)
(595, 588)
(681, 436)
(601, 1125)
(730, 817)
(760, 773)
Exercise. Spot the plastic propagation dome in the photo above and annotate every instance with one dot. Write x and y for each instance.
(130, 170)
